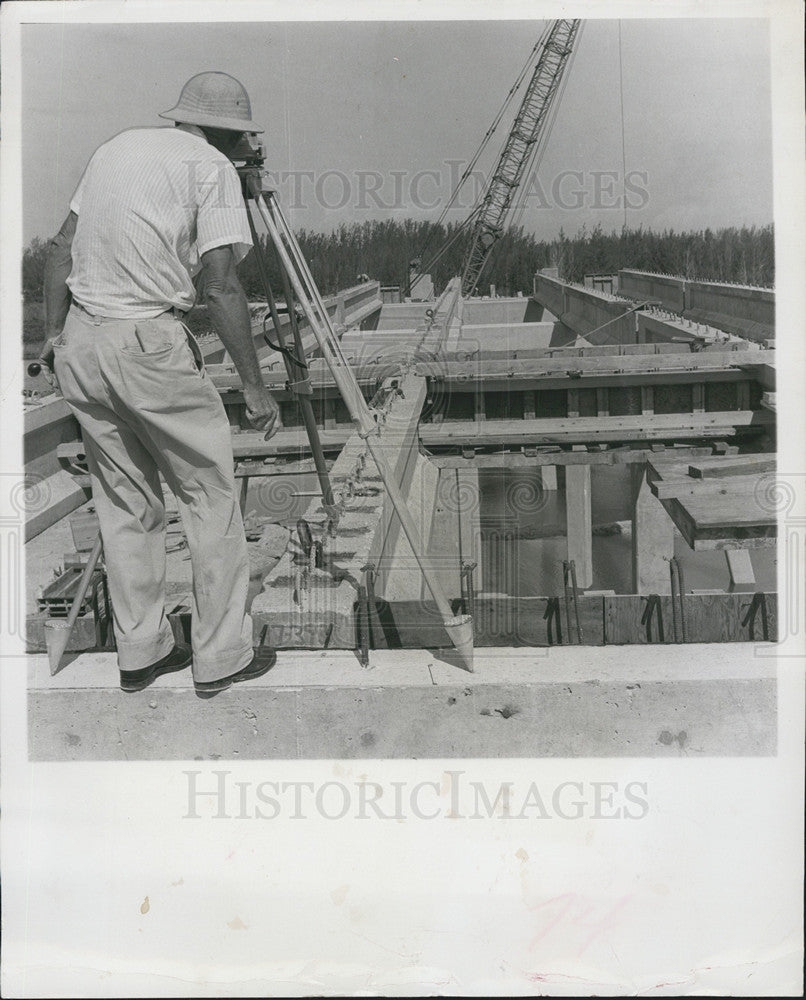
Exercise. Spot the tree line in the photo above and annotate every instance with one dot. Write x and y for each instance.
(384, 249)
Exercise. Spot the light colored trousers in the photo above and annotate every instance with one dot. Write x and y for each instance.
(146, 406)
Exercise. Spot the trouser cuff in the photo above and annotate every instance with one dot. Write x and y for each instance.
(135, 655)
(227, 662)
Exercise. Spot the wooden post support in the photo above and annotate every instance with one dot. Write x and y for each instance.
(652, 538)
(529, 405)
(481, 413)
(698, 397)
(742, 578)
(578, 522)
(548, 477)
(469, 519)
(573, 402)
(647, 400)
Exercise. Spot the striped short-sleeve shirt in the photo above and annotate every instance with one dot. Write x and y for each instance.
(150, 203)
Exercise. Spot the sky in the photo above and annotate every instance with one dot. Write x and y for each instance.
(368, 120)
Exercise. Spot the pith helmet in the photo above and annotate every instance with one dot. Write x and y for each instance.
(216, 100)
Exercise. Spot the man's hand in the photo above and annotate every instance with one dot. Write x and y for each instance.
(261, 410)
(46, 360)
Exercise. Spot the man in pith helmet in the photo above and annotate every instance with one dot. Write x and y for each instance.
(156, 210)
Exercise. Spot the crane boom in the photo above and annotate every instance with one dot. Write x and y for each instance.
(526, 130)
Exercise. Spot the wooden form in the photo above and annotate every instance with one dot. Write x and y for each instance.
(605, 619)
(738, 465)
(625, 360)
(552, 456)
(581, 430)
(716, 512)
(579, 528)
(621, 364)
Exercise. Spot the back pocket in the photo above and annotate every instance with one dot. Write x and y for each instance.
(152, 339)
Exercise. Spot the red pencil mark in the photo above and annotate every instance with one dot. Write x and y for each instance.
(575, 912)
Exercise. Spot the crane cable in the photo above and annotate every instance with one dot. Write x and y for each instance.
(539, 148)
(483, 144)
(623, 145)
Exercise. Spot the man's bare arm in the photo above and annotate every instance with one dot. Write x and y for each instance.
(55, 291)
(229, 312)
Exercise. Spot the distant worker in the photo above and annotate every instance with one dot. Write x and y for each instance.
(156, 209)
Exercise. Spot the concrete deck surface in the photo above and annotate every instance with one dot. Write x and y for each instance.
(692, 701)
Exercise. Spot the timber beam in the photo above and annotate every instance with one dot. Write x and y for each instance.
(720, 511)
(581, 430)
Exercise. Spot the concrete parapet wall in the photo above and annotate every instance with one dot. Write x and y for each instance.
(599, 317)
(548, 291)
(516, 309)
(658, 329)
(347, 308)
(741, 310)
(402, 315)
(358, 302)
(669, 290)
(501, 338)
(586, 311)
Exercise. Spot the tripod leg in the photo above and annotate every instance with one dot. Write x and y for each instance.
(459, 628)
(306, 410)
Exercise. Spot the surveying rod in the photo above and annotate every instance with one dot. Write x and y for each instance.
(458, 627)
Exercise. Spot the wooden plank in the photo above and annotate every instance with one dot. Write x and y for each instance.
(671, 479)
(713, 514)
(564, 430)
(708, 618)
(619, 364)
(516, 382)
(497, 621)
(736, 508)
(687, 487)
(740, 570)
(757, 364)
(83, 636)
(578, 517)
(517, 459)
(732, 465)
(755, 537)
(763, 373)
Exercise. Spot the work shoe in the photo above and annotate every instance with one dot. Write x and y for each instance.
(135, 680)
(260, 664)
